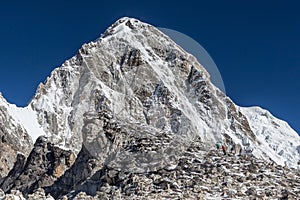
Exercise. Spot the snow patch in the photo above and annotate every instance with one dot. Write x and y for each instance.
(26, 118)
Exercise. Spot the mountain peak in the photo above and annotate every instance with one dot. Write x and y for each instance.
(135, 82)
(134, 102)
(124, 24)
(134, 72)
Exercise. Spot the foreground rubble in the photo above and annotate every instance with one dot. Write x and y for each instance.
(196, 175)
(213, 177)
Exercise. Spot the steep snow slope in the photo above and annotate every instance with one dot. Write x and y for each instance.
(275, 136)
(20, 123)
(25, 117)
(146, 84)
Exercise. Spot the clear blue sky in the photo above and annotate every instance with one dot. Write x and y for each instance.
(255, 44)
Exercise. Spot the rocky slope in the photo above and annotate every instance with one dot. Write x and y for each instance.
(130, 110)
(197, 174)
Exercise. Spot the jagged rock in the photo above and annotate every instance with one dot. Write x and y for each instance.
(74, 176)
(17, 195)
(17, 169)
(39, 170)
(83, 196)
(39, 194)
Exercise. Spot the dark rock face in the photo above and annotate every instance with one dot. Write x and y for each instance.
(44, 165)
(74, 176)
(14, 173)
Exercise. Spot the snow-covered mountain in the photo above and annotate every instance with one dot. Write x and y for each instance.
(276, 136)
(138, 82)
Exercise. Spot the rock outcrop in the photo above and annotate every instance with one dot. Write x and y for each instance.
(44, 165)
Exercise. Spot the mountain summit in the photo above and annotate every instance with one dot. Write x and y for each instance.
(134, 101)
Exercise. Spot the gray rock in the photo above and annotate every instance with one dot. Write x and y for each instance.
(44, 165)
